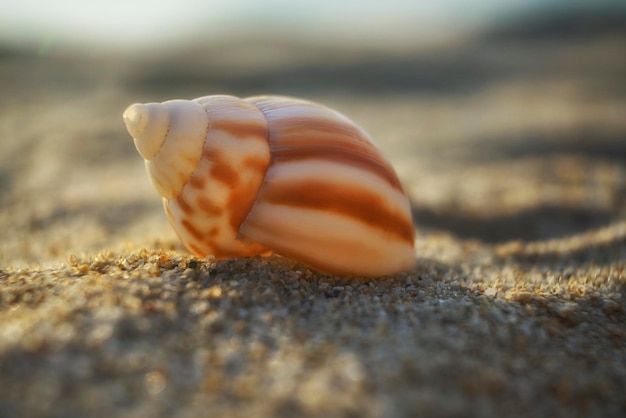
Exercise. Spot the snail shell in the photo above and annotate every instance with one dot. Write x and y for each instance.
(244, 177)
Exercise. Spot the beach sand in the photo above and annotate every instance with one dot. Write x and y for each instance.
(513, 153)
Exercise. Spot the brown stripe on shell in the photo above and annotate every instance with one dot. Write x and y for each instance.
(209, 207)
(197, 181)
(220, 170)
(256, 164)
(242, 129)
(192, 229)
(361, 205)
(341, 154)
(183, 205)
(298, 126)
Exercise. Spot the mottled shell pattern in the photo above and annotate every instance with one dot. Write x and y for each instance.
(245, 177)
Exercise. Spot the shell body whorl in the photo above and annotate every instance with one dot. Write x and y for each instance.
(275, 174)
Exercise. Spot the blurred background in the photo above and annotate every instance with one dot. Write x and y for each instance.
(506, 120)
(141, 25)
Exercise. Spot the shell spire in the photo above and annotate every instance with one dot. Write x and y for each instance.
(148, 125)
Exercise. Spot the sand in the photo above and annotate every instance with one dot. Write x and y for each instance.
(513, 154)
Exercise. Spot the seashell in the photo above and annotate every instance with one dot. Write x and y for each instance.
(269, 174)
